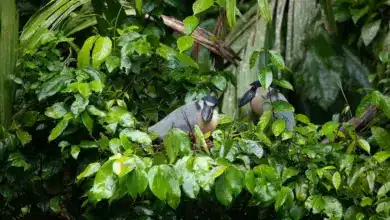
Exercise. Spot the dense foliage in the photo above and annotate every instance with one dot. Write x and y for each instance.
(78, 146)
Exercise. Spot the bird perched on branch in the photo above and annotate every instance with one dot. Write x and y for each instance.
(260, 100)
(203, 113)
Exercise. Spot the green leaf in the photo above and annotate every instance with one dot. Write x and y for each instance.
(74, 151)
(176, 141)
(83, 58)
(55, 204)
(229, 185)
(283, 83)
(302, 118)
(91, 169)
(385, 188)
(164, 184)
(288, 173)
(96, 85)
(253, 58)
(346, 161)
(381, 136)
(333, 208)
(336, 180)
(87, 121)
(53, 86)
(137, 136)
(281, 106)
(79, 105)
(88, 144)
(104, 184)
(202, 5)
(382, 156)
(315, 203)
(184, 43)
(265, 77)
(112, 62)
(137, 181)
(186, 175)
(369, 31)
(371, 180)
(123, 166)
(231, 12)
(264, 120)
(220, 82)
(96, 112)
(365, 145)
(284, 194)
(250, 181)
(329, 129)
(23, 136)
(115, 145)
(383, 207)
(101, 51)
(366, 201)
(138, 6)
(267, 172)
(277, 59)
(84, 89)
(358, 13)
(200, 140)
(56, 111)
(58, 129)
(190, 24)
(278, 127)
(264, 10)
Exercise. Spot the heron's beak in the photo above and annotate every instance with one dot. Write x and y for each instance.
(207, 113)
(247, 97)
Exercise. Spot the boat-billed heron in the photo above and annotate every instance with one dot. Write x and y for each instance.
(260, 100)
(203, 113)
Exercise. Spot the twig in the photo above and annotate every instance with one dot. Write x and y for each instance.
(359, 123)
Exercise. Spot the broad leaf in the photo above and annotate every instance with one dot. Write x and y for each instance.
(104, 184)
(190, 24)
(336, 180)
(87, 121)
(283, 83)
(264, 120)
(278, 127)
(137, 182)
(381, 136)
(264, 9)
(101, 51)
(277, 59)
(202, 5)
(365, 145)
(137, 136)
(58, 129)
(281, 106)
(176, 142)
(91, 169)
(265, 77)
(84, 58)
(385, 188)
(285, 195)
(229, 185)
(382, 156)
(74, 151)
(184, 43)
(79, 105)
(231, 12)
(56, 111)
(53, 86)
(23, 136)
(369, 31)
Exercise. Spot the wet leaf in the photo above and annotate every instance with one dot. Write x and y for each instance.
(202, 5)
(184, 43)
(101, 51)
(190, 24)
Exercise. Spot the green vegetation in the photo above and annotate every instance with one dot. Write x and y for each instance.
(91, 76)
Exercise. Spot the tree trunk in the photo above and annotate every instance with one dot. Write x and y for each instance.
(9, 27)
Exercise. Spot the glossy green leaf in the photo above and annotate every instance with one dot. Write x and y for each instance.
(176, 142)
(229, 185)
(23, 136)
(200, 140)
(88, 144)
(74, 151)
(53, 86)
(283, 196)
(104, 184)
(385, 188)
(164, 184)
(329, 129)
(112, 62)
(336, 180)
(252, 60)
(371, 179)
(123, 165)
(278, 126)
(366, 201)
(101, 51)
(220, 82)
(315, 203)
(333, 208)
(265, 77)
(84, 58)
(96, 85)
(381, 136)
(284, 84)
(382, 156)
(138, 6)
(264, 9)
(201, 5)
(190, 24)
(281, 106)
(267, 172)
(115, 145)
(84, 89)
(184, 43)
(79, 105)
(58, 129)
(87, 121)
(264, 120)
(369, 31)
(137, 182)
(137, 136)
(95, 111)
(91, 169)
(277, 59)
(365, 145)
(231, 12)
(56, 111)
(288, 173)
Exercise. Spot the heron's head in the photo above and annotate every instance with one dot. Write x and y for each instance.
(250, 94)
(209, 104)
